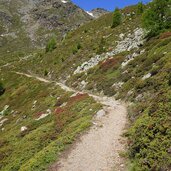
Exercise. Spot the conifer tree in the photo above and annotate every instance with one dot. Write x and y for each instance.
(140, 8)
(117, 18)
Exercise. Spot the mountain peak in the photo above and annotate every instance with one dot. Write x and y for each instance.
(97, 12)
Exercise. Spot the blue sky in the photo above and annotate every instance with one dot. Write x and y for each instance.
(107, 4)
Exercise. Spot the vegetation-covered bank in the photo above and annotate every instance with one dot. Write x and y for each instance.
(38, 122)
(139, 75)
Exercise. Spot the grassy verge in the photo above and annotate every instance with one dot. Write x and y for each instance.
(40, 144)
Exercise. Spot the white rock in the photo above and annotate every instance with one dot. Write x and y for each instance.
(42, 116)
(3, 121)
(34, 103)
(49, 111)
(64, 104)
(118, 85)
(23, 128)
(146, 76)
(100, 113)
(121, 36)
(4, 110)
(132, 41)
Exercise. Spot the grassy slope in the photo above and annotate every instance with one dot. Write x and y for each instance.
(41, 143)
(149, 134)
(150, 98)
(20, 43)
(66, 57)
(149, 112)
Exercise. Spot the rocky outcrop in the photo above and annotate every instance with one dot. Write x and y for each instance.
(37, 19)
(98, 12)
(131, 41)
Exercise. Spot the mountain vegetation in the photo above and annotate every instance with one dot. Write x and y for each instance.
(130, 61)
(117, 18)
(157, 17)
(1, 89)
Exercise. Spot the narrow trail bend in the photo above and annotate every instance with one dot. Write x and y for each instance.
(99, 148)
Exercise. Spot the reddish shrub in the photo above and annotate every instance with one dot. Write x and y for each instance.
(110, 63)
(165, 35)
(77, 98)
(37, 115)
(59, 110)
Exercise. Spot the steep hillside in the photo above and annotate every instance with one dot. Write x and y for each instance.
(121, 62)
(28, 24)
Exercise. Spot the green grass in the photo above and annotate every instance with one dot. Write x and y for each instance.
(38, 146)
(149, 113)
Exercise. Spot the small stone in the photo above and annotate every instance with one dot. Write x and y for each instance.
(100, 113)
(23, 128)
(146, 76)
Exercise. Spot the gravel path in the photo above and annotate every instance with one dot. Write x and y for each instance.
(99, 148)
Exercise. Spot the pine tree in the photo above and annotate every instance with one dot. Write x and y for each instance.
(117, 18)
(140, 8)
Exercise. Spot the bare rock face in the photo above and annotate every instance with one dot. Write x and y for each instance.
(98, 12)
(37, 20)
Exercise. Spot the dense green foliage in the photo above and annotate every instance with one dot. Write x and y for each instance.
(51, 45)
(157, 17)
(35, 148)
(140, 8)
(117, 18)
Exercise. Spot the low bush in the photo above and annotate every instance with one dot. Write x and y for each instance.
(2, 89)
(51, 45)
(117, 18)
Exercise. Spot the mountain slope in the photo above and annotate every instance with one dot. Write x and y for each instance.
(29, 24)
(97, 12)
(117, 62)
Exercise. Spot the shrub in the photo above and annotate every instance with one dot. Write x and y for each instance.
(74, 51)
(2, 89)
(111, 63)
(154, 70)
(165, 35)
(79, 46)
(101, 47)
(156, 18)
(140, 8)
(150, 138)
(45, 72)
(76, 48)
(51, 45)
(117, 18)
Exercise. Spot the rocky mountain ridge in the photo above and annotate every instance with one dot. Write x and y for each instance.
(37, 21)
(97, 12)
